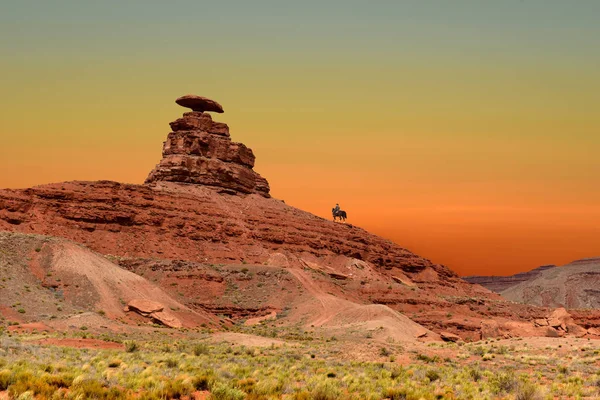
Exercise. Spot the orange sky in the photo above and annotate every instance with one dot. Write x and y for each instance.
(467, 133)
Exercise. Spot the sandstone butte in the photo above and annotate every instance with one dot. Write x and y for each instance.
(204, 204)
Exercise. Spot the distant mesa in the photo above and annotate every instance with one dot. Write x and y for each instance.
(199, 103)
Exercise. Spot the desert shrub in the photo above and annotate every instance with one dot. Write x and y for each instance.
(301, 395)
(504, 381)
(500, 350)
(432, 375)
(171, 363)
(26, 396)
(200, 348)
(563, 369)
(384, 352)
(247, 385)
(131, 346)
(58, 381)
(396, 372)
(475, 374)
(174, 389)
(5, 379)
(479, 351)
(204, 381)
(29, 385)
(326, 391)
(92, 389)
(224, 392)
(427, 359)
(527, 391)
(114, 363)
(268, 387)
(395, 393)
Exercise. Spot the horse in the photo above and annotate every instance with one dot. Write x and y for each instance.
(341, 214)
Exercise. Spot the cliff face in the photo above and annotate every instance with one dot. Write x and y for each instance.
(500, 283)
(196, 223)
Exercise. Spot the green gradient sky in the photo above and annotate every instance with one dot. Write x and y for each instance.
(467, 131)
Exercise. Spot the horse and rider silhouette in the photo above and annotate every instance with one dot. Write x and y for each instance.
(338, 213)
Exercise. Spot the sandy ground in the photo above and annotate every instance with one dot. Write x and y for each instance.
(245, 339)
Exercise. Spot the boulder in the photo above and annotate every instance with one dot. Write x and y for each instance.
(166, 319)
(541, 322)
(594, 331)
(559, 319)
(576, 330)
(144, 307)
(449, 337)
(199, 103)
(551, 332)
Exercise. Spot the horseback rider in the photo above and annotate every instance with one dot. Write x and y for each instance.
(336, 209)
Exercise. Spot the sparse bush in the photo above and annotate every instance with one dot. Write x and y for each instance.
(224, 392)
(475, 374)
(432, 375)
(200, 348)
(247, 385)
(203, 381)
(479, 351)
(563, 370)
(5, 379)
(326, 391)
(504, 382)
(397, 372)
(171, 363)
(395, 394)
(527, 391)
(427, 359)
(131, 346)
(384, 352)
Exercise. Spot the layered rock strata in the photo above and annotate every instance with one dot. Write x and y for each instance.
(500, 283)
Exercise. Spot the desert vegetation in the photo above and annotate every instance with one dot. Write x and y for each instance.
(162, 367)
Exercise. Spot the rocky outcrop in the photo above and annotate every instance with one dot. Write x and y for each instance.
(144, 307)
(155, 311)
(449, 337)
(193, 222)
(500, 283)
(199, 151)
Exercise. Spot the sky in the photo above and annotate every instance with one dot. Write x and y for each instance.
(466, 131)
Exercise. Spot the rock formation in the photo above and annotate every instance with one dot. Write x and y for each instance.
(199, 151)
(155, 311)
(500, 283)
(203, 205)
